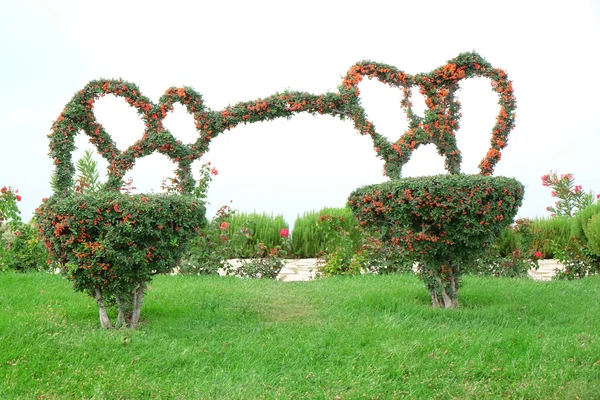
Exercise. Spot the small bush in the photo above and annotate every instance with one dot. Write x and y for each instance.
(22, 249)
(111, 244)
(255, 228)
(548, 233)
(581, 219)
(512, 255)
(592, 234)
(310, 241)
(443, 222)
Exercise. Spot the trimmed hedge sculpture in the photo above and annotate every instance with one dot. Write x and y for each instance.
(108, 255)
(443, 222)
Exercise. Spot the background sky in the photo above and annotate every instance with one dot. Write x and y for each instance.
(232, 51)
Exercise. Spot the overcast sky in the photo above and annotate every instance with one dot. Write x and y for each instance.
(232, 51)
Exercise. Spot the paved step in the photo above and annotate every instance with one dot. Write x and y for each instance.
(300, 270)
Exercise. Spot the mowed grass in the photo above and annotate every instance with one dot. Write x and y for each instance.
(348, 337)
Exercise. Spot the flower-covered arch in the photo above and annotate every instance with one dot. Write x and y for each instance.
(438, 126)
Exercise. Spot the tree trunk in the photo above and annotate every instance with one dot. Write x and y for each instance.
(442, 284)
(130, 306)
(138, 296)
(104, 320)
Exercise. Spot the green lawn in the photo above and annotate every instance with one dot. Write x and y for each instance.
(356, 337)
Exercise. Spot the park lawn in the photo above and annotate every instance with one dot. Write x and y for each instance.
(344, 337)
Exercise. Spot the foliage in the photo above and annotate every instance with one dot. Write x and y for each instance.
(9, 210)
(548, 233)
(111, 244)
(571, 197)
(254, 229)
(21, 248)
(577, 259)
(266, 263)
(512, 255)
(438, 126)
(581, 219)
(229, 236)
(340, 253)
(210, 249)
(592, 233)
(443, 222)
(309, 240)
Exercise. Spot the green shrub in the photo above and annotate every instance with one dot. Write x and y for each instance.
(310, 241)
(577, 259)
(443, 222)
(592, 233)
(111, 244)
(512, 254)
(549, 233)
(255, 228)
(581, 219)
(21, 248)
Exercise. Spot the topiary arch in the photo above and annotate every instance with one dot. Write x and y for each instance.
(438, 126)
(112, 243)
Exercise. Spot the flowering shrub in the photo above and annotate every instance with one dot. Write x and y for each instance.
(111, 244)
(9, 210)
(438, 127)
(21, 248)
(340, 253)
(571, 197)
(577, 259)
(443, 222)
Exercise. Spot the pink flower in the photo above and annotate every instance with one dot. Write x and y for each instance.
(598, 196)
(538, 254)
(284, 232)
(18, 233)
(214, 171)
(223, 225)
(553, 194)
(578, 188)
(545, 180)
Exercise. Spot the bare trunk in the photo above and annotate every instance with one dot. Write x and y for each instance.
(121, 319)
(138, 296)
(130, 306)
(444, 293)
(104, 320)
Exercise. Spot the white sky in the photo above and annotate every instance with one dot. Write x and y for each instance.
(233, 51)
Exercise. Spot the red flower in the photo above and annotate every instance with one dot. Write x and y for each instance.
(18, 198)
(284, 232)
(3, 189)
(538, 254)
(223, 225)
(214, 171)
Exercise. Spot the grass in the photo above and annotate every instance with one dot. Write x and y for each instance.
(346, 337)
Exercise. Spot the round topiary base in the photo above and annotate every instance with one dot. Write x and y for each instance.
(444, 222)
(111, 244)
